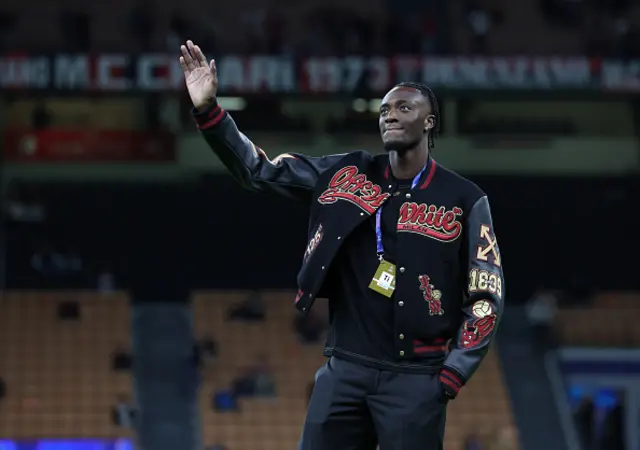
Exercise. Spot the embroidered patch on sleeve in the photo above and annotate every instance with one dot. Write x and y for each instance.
(475, 330)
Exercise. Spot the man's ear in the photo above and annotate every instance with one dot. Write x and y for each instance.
(429, 122)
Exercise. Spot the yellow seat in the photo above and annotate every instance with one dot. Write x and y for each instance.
(482, 405)
(58, 374)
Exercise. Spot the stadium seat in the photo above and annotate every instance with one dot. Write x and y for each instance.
(610, 321)
(483, 405)
(58, 373)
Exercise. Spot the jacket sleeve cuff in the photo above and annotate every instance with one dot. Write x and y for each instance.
(451, 382)
(210, 117)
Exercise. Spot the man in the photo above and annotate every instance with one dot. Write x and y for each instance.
(405, 251)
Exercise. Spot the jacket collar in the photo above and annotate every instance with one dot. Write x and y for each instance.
(425, 178)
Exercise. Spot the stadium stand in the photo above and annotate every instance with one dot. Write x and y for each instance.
(509, 30)
(107, 114)
(58, 372)
(611, 321)
(275, 424)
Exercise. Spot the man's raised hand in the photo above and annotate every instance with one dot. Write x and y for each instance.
(200, 77)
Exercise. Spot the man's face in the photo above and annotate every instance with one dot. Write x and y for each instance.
(404, 116)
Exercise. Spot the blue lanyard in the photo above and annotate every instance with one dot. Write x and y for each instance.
(379, 247)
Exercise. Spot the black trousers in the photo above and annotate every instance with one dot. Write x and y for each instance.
(356, 407)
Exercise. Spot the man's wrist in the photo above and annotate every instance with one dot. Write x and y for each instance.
(209, 117)
(451, 382)
(206, 106)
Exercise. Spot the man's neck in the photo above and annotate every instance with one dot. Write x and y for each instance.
(409, 163)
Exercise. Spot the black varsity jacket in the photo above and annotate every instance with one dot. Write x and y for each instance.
(449, 281)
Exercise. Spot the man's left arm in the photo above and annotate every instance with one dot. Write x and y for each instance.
(484, 300)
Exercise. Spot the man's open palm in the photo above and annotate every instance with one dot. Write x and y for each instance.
(201, 77)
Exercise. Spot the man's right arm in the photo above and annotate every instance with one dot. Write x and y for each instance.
(291, 175)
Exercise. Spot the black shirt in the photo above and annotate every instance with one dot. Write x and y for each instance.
(362, 319)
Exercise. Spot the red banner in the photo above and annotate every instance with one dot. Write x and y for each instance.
(243, 75)
(88, 146)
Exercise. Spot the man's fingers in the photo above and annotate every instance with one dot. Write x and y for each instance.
(193, 51)
(199, 56)
(212, 67)
(188, 60)
(183, 64)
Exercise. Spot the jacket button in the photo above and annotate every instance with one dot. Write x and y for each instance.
(401, 269)
(400, 303)
(408, 195)
(401, 336)
(401, 352)
(322, 268)
(339, 237)
(390, 186)
(362, 214)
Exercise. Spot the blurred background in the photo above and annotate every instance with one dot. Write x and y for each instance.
(146, 299)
